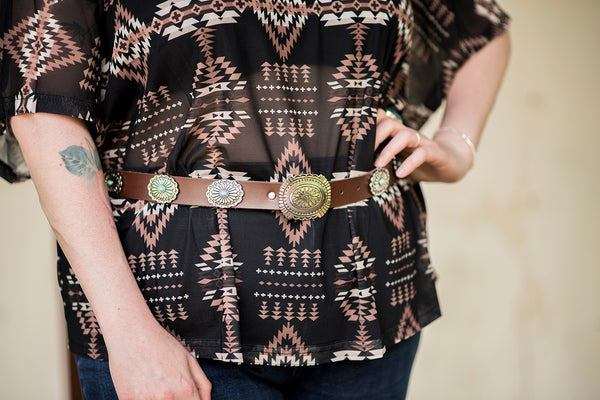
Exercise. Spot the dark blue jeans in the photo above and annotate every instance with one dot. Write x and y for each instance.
(382, 379)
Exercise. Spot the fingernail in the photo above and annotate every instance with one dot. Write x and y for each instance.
(400, 172)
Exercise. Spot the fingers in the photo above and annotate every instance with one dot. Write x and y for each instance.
(202, 383)
(422, 158)
(418, 135)
(412, 162)
(381, 115)
(386, 128)
(403, 138)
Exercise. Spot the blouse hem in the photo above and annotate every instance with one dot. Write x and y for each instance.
(314, 355)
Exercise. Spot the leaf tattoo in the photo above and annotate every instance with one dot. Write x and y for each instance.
(81, 162)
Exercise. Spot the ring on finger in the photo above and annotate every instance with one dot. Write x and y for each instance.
(418, 139)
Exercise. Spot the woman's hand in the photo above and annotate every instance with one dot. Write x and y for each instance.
(445, 159)
(470, 98)
(150, 364)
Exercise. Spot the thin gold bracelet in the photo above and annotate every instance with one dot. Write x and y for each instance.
(464, 136)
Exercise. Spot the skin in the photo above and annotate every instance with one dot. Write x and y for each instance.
(146, 362)
(447, 157)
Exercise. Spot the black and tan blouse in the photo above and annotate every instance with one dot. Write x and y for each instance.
(249, 90)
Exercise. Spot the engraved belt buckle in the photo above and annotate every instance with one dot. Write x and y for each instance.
(304, 197)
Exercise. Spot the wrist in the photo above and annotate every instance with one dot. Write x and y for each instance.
(128, 326)
(462, 142)
(465, 137)
(459, 152)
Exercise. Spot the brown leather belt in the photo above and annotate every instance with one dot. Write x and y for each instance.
(300, 197)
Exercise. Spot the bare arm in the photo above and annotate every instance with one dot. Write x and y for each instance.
(448, 157)
(66, 171)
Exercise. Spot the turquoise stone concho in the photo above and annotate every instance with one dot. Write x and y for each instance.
(224, 193)
(380, 181)
(114, 181)
(163, 189)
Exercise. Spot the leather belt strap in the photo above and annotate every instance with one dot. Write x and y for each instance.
(256, 195)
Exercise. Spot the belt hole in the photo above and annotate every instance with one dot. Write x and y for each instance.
(341, 192)
(358, 188)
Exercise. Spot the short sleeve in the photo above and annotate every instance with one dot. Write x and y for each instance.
(445, 34)
(49, 62)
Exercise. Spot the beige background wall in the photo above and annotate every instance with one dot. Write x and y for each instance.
(33, 359)
(516, 244)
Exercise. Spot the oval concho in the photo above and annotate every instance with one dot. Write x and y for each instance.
(305, 197)
(380, 181)
(224, 193)
(114, 181)
(163, 189)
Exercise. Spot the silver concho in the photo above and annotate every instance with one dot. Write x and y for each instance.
(380, 181)
(305, 197)
(163, 189)
(224, 193)
(114, 181)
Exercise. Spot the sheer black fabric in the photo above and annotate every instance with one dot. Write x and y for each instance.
(258, 91)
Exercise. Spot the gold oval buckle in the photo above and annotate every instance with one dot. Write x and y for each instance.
(162, 189)
(305, 197)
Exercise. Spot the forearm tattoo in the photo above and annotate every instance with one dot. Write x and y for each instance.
(82, 162)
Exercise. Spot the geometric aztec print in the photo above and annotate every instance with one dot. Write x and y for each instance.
(39, 45)
(251, 91)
